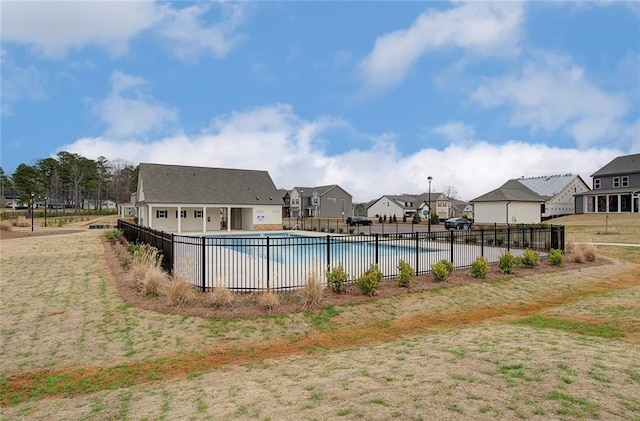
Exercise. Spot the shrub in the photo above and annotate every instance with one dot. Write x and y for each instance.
(179, 291)
(268, 300)
(416, 218)
(221, 297)
(352, 230)
(5, 226)
(530, 258)
(113, 234)
(312, 292)
(132, 248)
(332, 230)
(154, 281)
(499, 241)
(480, 268)
(369, 280)
(556, 257)
(337, 279)
(507, 262)
(441, 270)
(405, 274)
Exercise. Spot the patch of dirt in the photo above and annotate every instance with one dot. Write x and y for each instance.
(10, 235)
(246, 305)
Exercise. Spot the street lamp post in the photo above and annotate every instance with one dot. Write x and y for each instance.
(429, 214)
(31, 211)
(301, 209)
(343, 210)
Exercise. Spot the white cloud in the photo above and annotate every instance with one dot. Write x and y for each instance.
(483, 28)
(551, 93)
(273, 138)
(53, 28)
(128, 111)
(189, 39)
(18, 83)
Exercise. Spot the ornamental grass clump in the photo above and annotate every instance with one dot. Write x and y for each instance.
(311, 293)
(441, 270)
(5, 226)
(556, 257)
(480, 268)
(369, 280)
(507, 262)
(221, 297)
(179, 291)
(530, 258)
(154, 282)
(337, 279)
(22, 222)
(405, 274)
(268, 300)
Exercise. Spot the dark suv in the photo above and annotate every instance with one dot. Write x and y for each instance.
(358, 220)
(457, 223)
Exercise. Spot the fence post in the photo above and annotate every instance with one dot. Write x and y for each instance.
(482, 242)
(376, 248)
(328, 252)
(451, 243)
(204, 262)
(173, 253)
(268, 263)
(508, 238)
(417, 255)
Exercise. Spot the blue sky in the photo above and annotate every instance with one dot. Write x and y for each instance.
(374, 96)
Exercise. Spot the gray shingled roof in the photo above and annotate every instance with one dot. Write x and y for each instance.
(626, 164)
(511, 190)
(548, 186)
(199, 185)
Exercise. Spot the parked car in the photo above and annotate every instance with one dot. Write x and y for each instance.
(457, 223)
(358, 220)
(9, 205)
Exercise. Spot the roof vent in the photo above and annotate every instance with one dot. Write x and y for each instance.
(257, 198)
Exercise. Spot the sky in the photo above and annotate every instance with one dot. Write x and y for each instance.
(373, 96)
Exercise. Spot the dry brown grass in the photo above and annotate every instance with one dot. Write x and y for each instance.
(221, 297)
(582, 252)
(179, 291)
(268, 300)
(312, 293)
(22, 222)
(5, 226)
(154, 282)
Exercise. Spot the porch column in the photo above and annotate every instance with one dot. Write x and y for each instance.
(228, 218)
(179, 219)
(619, 203)
(204, 219)
(150, 210)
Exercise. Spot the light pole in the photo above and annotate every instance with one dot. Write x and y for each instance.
(429, 214)
(343, 210)
(45, 211)
(301, 211)
(32, 212)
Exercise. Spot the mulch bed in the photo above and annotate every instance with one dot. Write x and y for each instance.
(246, 305)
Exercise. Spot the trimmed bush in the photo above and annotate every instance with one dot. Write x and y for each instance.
(113, 234)
(405, 274)
(530, 258)
(556, 257)
(337, 279)
(480, 268)
(441, 270)
(369, 280)
(507, 262)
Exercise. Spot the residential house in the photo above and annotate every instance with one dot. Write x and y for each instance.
(408, 205)
(559, 192)
(511, 203)
(184, 199)
(330, 201)
(616, 188)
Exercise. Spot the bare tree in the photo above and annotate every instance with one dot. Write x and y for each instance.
(450, 192)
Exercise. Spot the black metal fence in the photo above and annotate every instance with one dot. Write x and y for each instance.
(287, 259)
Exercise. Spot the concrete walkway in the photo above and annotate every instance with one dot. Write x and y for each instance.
(614, 244)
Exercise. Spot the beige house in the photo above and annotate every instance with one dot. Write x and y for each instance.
(511, 203)
(184, 199)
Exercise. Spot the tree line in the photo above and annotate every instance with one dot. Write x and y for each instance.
(71, 181)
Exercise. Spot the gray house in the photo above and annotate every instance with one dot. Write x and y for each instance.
(559, 192)
(616, 187)
(182, 199)
(330, 201)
